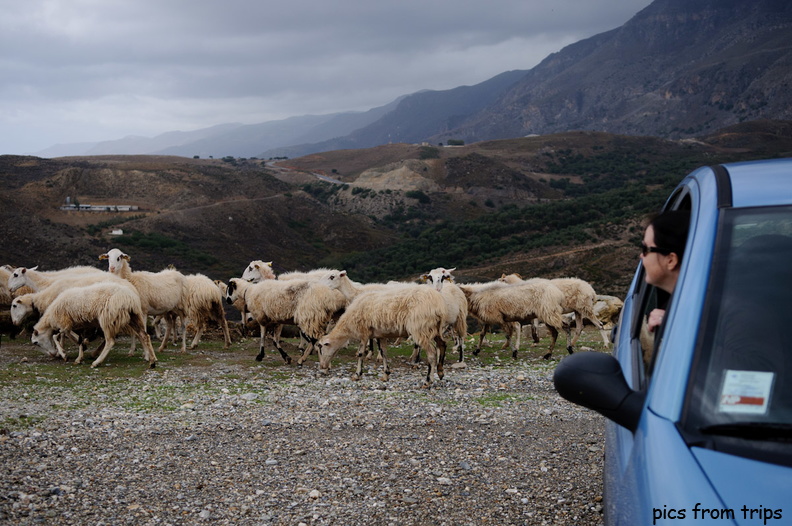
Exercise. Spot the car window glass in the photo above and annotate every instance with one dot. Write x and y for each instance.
(743, 371)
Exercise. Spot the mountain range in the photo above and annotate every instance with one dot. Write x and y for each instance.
(678, 68)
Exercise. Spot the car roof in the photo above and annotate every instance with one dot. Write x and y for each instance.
(761, 183)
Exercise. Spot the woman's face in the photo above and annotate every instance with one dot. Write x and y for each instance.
(662, 270)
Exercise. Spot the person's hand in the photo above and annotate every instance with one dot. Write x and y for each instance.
(655, 319)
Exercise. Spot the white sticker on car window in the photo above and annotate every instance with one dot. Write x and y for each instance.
(746, 392)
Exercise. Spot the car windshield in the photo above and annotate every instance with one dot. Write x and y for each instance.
(741, 386)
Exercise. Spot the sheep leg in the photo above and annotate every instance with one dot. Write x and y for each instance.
(183, 324)
(132, 347)
(168, 328)
(481, 339)
(385, 368)
(148, 349)
(441, 346)
(459, 343)
(431, 358)
(81, 346)
(58, 346)
(360, 354)
(79, 358)
(534, 332)
(510, 328)
(98, 349)
(219, 316)
(415, 357)
(311, 345)
(518, 330)
(554, 337)
(198, 333)
(370, 346)
(381, 354)
(601, 327)
(380, 349)
(109, 342)
(276, 339)
(578, 330)
(262, 338)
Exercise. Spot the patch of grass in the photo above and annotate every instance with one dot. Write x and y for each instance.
(19, 423)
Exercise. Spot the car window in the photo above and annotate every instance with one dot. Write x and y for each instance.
(742, 378)
(646, 344)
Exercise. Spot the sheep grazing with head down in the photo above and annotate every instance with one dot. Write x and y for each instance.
(160, 292)
(395, 311)
(115, 308)
(510, 306)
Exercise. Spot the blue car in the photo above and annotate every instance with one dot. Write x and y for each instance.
(699, 429)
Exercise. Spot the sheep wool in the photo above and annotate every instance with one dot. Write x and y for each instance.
(114, 307)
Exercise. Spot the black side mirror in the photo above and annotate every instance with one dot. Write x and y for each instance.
(595, 380)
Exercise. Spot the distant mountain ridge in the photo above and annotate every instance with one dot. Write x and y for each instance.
(678, 68)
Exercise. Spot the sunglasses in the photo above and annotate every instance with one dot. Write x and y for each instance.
(645, 250)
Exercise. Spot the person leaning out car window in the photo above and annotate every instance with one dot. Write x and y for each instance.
(662, 250)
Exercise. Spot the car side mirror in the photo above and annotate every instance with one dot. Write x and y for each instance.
(595, 380)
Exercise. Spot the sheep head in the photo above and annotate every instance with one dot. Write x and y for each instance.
(258, 270)
(333, 278)
(115, 260)
(437, 276)
(18, 278)
(44, 340)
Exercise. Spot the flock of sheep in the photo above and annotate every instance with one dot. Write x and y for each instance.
(329, 309)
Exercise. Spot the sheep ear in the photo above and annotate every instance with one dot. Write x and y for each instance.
(452, 269)
(269, 264)
(102, 256)
(342, 273)
(125, 256)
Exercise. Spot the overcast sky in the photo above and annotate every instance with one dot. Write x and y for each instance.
(95, 70)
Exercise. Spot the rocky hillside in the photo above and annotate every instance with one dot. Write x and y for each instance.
(564, 204)
(679, 68)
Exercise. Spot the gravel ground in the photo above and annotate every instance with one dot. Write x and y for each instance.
(214, 437)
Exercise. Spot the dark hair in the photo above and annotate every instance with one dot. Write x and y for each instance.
(671, 230)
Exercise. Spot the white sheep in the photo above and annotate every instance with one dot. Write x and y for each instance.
(456, 307)
(395, 311)
(203, 301)
(258, 270)
(160, 292)
(608, 308)
(579, 300)
(38, 279)
(510, 306)
(308, 304)
(114, 307)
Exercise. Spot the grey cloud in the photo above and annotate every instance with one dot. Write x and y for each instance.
(200, 62)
